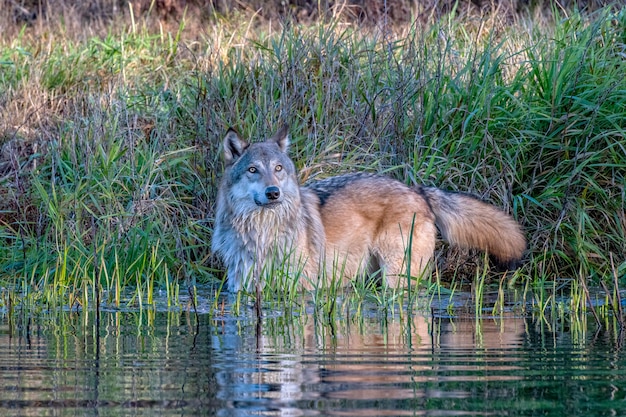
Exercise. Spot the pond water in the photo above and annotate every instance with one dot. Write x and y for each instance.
(152, 363)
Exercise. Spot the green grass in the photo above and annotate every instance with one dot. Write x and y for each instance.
(110, 142)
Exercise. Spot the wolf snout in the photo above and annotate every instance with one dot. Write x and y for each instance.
(272, 193)
(269, 197)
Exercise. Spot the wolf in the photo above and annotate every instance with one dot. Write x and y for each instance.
(341, 227)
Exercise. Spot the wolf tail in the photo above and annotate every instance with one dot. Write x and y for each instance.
(466, 221)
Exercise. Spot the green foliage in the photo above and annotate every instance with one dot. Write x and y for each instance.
(119, 188)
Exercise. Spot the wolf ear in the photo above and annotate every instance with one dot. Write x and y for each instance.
(233, 146)
(282, 138)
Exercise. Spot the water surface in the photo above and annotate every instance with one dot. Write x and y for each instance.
(185, 364)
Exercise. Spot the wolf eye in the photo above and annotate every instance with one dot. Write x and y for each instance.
(279, 168)
(252, 170)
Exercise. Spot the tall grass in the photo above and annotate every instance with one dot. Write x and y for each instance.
(110, 143)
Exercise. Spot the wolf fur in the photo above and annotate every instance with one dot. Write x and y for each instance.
(343, 226)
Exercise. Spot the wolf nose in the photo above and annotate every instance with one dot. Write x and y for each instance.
(272, 193)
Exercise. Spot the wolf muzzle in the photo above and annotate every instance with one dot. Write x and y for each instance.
(272, 197)
(272, 193)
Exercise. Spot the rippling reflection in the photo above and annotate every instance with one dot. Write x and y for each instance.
(367, 361)
(179, 363)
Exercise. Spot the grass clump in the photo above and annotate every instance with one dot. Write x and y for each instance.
(111, 140)
(100, 193)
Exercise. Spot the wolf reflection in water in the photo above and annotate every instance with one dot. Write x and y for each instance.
(373, 361)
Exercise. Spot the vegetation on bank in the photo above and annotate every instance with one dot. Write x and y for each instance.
(111, 139)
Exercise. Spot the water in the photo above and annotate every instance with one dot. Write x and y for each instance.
(182, 364)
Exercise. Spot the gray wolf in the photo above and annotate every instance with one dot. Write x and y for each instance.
(341, 227)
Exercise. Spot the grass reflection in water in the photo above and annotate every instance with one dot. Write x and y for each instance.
(179, 363)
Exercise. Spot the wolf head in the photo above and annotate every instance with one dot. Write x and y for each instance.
(259, 175)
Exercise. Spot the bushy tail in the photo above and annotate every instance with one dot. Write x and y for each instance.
(466, 221)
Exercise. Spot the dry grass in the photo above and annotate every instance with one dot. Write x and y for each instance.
(110, 132)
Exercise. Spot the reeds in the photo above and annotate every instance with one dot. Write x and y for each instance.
(111, 142)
